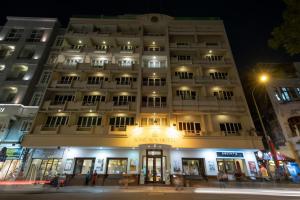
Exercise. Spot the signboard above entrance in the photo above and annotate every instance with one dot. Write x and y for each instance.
(230, 154)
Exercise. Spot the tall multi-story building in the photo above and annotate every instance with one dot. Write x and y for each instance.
(282, 114)
(149, 95)
(24, 47)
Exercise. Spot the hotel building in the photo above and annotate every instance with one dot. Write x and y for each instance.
(24, 46)
(148, 95)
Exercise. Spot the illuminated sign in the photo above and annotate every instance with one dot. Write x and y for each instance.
(230, 154)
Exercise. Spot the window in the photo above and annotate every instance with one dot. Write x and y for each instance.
(285, 94)
(150, 121)
(102, 47)
(61, 99)
(231, 128)
(126, 62)
(86, 122)
(89, 100)
(3, 126)
(73, 61)
(59, 41)
(125, 80)
(116, 166)
(193, 166)
(193, 127)
(121, 122)
(14, 35)
(154, 64)
(127, 48)
(184, 58)
(27, 52)
(186, 94)
(94, 80)
(68, 79)
(184, 75)
(99, 62)
(55, 121)
(36, 36)
(36, 99)
(298, 91)
(123, 100)
(155, 102)
(154, 81)
(77, 46)
(219, 75)
(6, 51)
(45, 77)
(26, 125)
(223, 95)
(213, 58)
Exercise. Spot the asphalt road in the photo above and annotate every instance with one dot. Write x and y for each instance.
(145, 196)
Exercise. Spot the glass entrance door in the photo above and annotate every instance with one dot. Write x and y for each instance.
(154, 166)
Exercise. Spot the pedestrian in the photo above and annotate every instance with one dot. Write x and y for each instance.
(87, 178)
(221, 178)
(94, 178)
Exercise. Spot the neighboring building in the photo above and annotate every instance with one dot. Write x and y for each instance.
(149, 94)
(24, 46)
(282, 114)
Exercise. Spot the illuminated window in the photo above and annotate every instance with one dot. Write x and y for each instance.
(193, 127)
(154, 102)
(231, 128)
(120, 123)
(123, 100)
(285, 94)
(116, 165)
(154, 81)
(223, 95)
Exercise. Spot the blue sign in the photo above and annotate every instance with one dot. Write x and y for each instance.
(230, 154)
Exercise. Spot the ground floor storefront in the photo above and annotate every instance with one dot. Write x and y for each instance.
(147, 164)
(10, 162)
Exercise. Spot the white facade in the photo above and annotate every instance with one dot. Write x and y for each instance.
(149, 84)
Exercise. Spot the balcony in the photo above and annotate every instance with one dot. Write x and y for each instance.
(151, 88)
(176, 79)
(60, 84)
(154, 109)
(123, 106)
(70, 130)
(210, 80)
(51, 105)
(208, 104)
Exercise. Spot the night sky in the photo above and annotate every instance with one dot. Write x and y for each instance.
(248, 22)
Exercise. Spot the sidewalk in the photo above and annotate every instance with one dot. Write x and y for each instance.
(151, 189)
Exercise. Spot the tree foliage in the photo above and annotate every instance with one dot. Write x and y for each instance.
(287, 35)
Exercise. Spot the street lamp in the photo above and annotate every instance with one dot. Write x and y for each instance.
(264, 78)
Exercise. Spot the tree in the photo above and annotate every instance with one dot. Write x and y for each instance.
(287, 35)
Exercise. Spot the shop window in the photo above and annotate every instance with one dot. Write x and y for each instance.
(193, 166)
(184, 75)
(55, 121)
(186, 94)
(231, 128)
(43, 169)
(90, 100)
(86, 122)
(84, 165)
(223, 95)
(193, 127)
(116, 166)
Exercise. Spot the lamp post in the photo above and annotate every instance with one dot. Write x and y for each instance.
(263, 78)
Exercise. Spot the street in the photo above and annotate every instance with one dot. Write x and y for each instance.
(147, 193)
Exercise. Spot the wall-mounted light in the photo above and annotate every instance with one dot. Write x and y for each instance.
(2, 67)
(79, 41)
(128, 42)
(103, 42)
(153, 42)
(210, 51)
